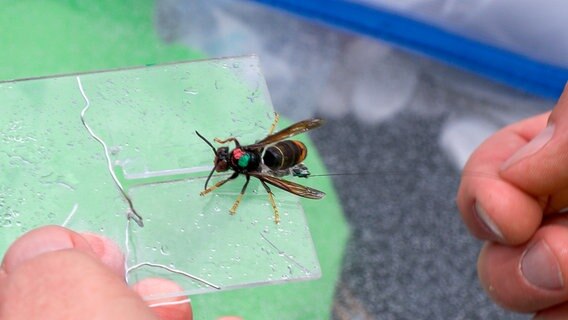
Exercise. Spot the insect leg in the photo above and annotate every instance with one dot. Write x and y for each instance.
(276, 118)
(233, 209)
(218, 184)
(272, 202)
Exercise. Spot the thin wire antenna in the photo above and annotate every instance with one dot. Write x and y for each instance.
(285, 255)
(132, 214)
(341, 174)
(128, 270)
(71, 214)
(126, 249)
(169, 303)
(479, 174)
(183, 273)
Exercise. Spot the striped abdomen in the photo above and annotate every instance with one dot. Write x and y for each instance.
(284, 154)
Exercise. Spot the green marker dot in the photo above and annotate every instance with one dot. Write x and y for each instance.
(244, 160)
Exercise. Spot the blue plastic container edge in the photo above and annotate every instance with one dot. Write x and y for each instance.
(498, 64)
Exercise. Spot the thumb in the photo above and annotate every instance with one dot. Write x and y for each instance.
(55, 273)
(540, 167)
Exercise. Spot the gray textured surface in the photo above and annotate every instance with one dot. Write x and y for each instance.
(410, 257)
(406, 122)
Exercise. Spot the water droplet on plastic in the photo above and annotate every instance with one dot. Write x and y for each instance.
(164, 250)
(6, 222)
(114, 150)
(190, 91)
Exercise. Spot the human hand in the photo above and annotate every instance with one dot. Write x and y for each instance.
(512, 194)
(55, 273)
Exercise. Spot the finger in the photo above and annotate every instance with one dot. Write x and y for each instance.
(539, 167)
(53, 238)
(175, 308)
(491, 207)
(559, 312)
(558, 202)
(530, 277)
(107, 251)
(68, 284)
(40, 241)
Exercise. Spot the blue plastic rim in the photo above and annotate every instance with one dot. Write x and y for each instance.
(498, 64)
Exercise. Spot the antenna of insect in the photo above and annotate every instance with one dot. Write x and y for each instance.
(215, 152)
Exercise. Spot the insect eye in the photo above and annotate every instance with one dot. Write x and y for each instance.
(221, 166)
(223, 152)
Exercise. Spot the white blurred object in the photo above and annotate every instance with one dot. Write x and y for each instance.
(296, 56)
(372, 80)
(385, 83)
(461, 136)
(536, 29)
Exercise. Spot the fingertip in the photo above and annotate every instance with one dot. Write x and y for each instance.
(107, 251)
(538, 165)
(70, 284)
(495, 210)
(498, 274)
(559, 312)
(175, 307)
(42, 240)
(530, 277)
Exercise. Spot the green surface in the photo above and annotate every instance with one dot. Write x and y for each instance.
(46, 37)
(49, 37)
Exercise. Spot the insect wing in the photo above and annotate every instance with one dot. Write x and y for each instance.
(296, 128)
(290, 186)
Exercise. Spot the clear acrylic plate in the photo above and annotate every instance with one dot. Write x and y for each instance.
(53, 171)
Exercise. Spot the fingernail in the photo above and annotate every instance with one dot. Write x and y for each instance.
(540, 267)
(486, 222)
(39, 241)
(34, 245)
(530, 148)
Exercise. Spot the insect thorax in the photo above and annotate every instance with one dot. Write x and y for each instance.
(245, 160)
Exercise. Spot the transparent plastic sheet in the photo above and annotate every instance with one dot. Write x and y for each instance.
(54, 171)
